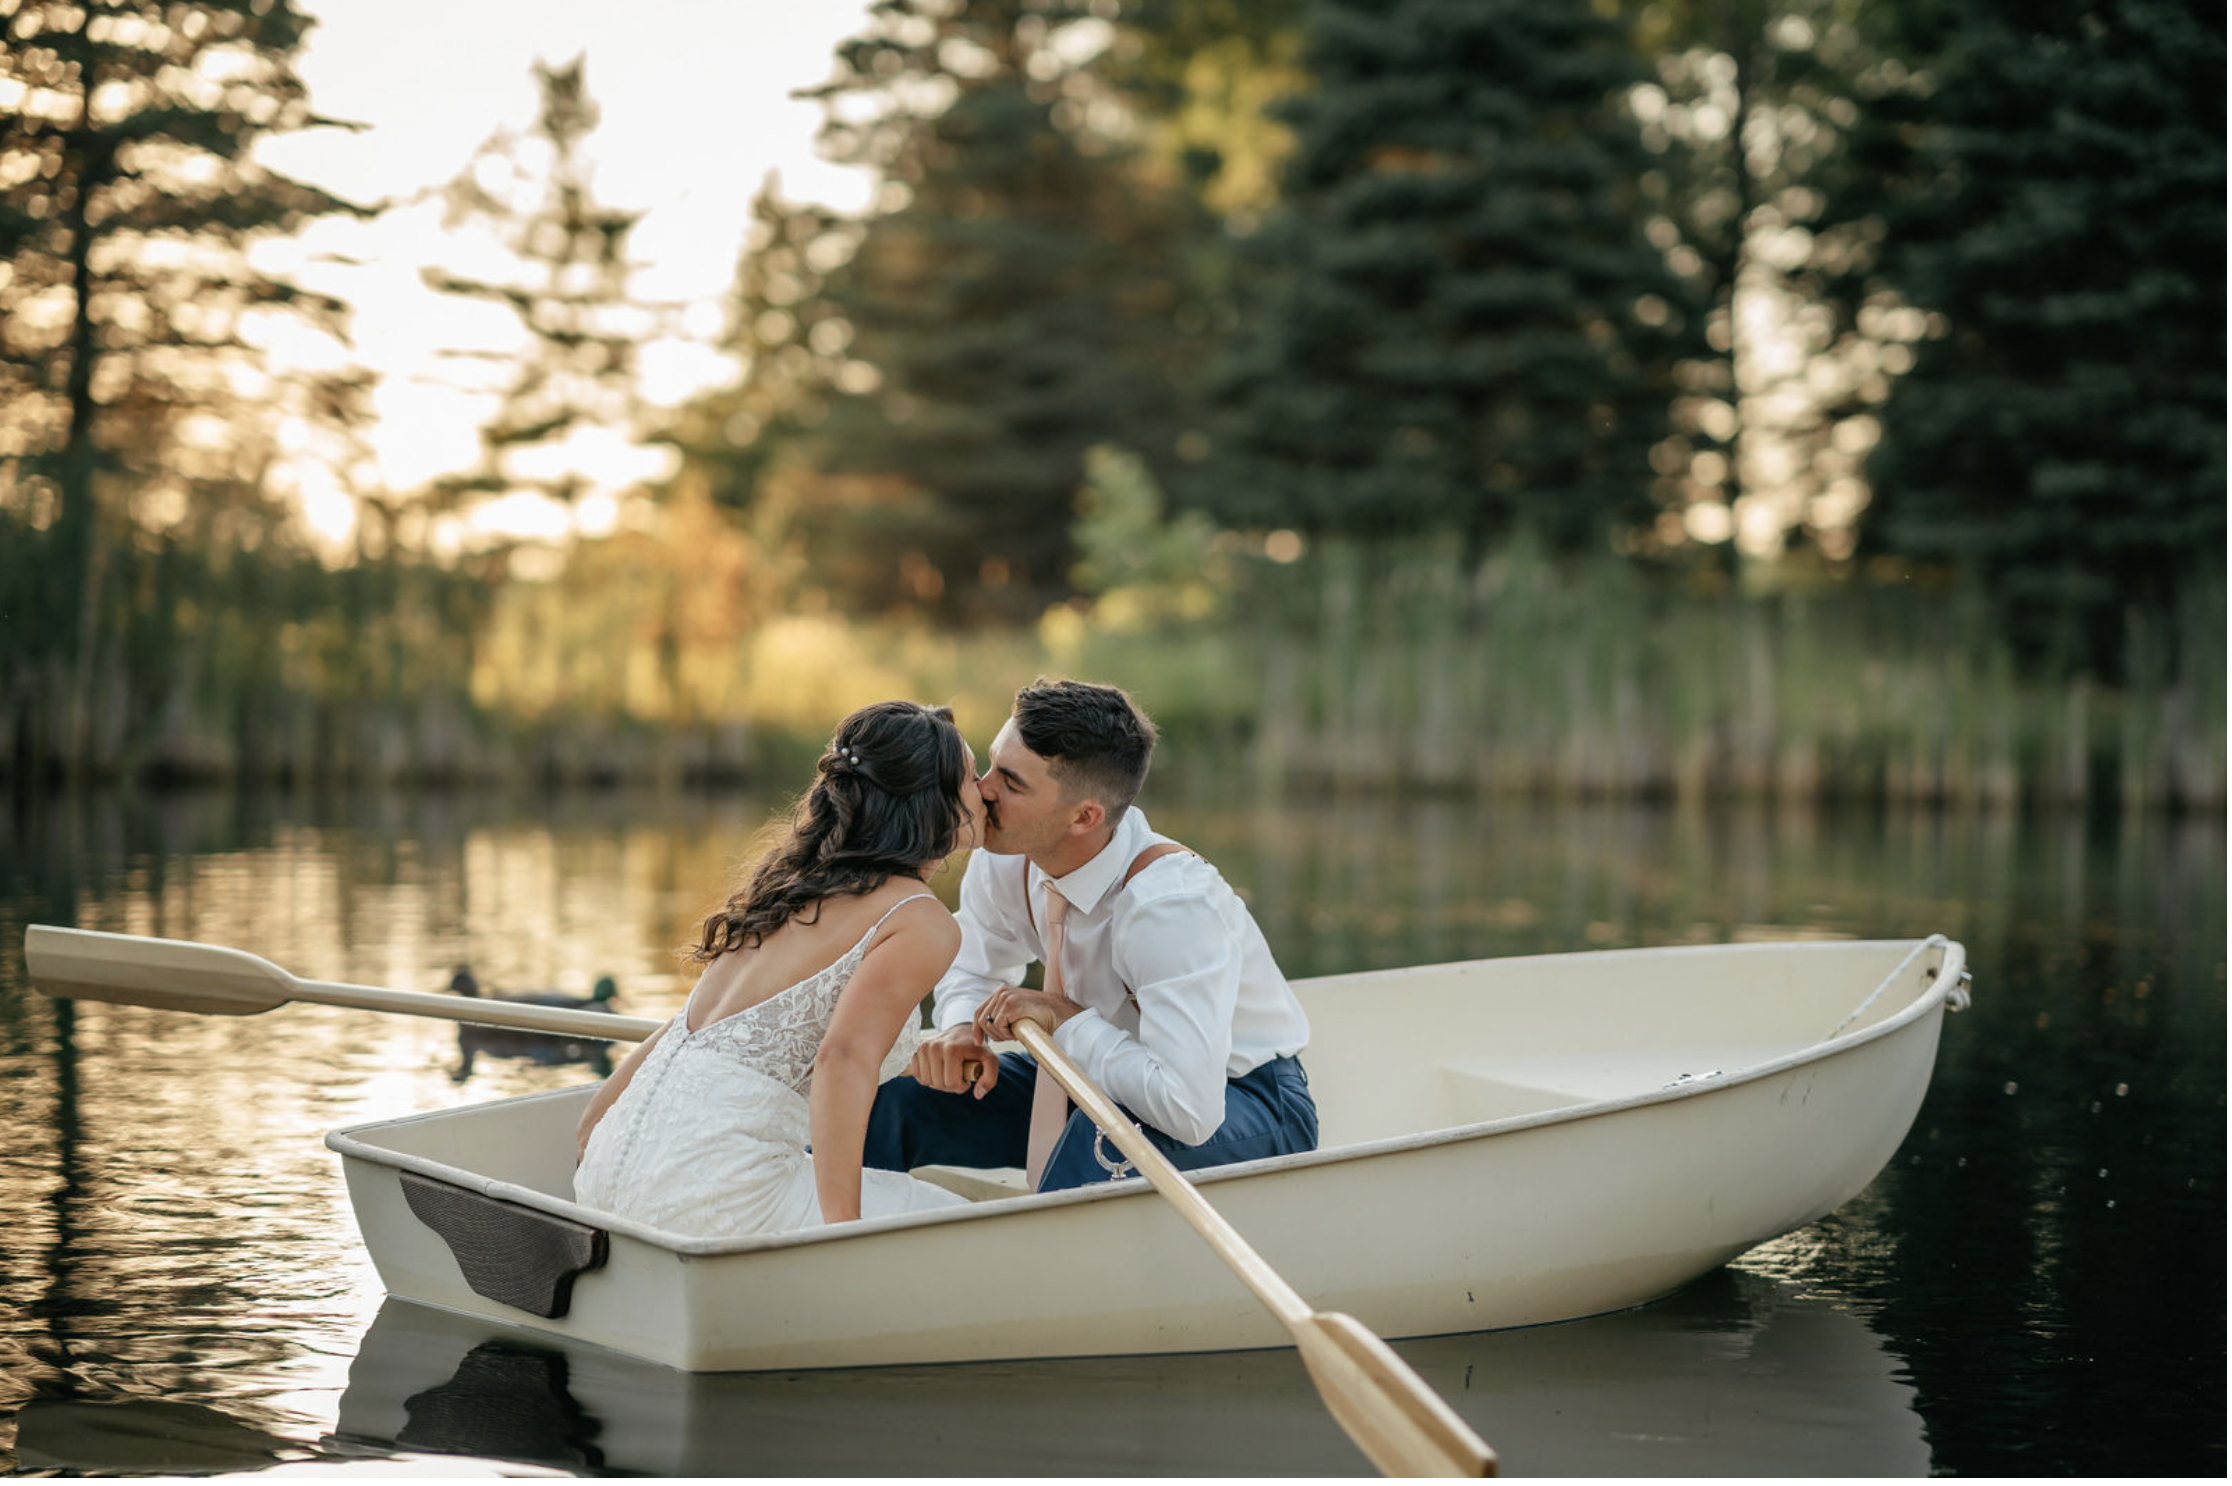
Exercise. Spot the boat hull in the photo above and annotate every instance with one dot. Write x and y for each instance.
(1586, 1205)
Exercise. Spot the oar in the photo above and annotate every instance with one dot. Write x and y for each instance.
(176, 975)
(1402, 1426)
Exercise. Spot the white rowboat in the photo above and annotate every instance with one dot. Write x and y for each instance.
(1505, 1142)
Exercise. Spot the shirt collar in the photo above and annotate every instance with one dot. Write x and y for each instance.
(1086, 886)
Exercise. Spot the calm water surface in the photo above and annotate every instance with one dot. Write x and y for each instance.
(2035, 1286)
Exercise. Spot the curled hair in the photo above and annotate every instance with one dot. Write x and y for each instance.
(886, 798)
(1098, 741)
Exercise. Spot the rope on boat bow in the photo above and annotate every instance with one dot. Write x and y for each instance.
(1937, 941)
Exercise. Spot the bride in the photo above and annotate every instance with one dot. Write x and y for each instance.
(813, 977)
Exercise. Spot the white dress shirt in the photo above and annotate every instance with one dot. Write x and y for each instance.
(1179, 989)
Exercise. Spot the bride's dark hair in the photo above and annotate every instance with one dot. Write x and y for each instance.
(886, 799)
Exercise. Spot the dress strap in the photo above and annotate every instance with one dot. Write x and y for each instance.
(888, 912)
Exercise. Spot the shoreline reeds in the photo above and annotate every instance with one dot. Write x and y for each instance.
(1401, 667)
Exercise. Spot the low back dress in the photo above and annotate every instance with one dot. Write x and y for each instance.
(709, 1138)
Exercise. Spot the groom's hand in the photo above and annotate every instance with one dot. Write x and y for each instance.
(1010, 1004)
(947, 1060)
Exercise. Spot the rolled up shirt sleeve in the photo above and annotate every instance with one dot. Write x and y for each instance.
(992, 952)
(1182, 960)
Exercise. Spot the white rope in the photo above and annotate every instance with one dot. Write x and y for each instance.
(1936, 940)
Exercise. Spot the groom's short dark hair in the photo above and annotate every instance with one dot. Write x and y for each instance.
(1096, 738)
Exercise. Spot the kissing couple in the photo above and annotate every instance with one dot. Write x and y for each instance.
(795, 1087)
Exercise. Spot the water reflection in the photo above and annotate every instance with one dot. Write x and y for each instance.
(1741, 1375)
(2039, 1273)
(139, 1435)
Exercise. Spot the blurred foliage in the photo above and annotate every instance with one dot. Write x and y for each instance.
(1317, 369)
(569, 295)
(1770, 213)
(135, 409)
(1204, 76)
(1019, 295)
(2060, 206)
(1459, 323)
(220, 661)
(1139, 565)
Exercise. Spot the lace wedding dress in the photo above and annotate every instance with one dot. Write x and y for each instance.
(709, 1138)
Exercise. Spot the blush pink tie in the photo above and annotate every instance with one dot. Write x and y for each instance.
(1049, 1105)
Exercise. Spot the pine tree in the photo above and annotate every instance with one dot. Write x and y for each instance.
(570, 295)
(131, 383)
(1020, 298)
(732, 437)
(1202, 75)
(1755, 113)
(1463, 327)
(2064, 436)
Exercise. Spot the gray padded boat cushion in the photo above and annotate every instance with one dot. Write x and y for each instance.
(506, 1252)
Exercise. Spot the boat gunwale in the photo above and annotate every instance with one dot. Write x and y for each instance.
(347, 1143)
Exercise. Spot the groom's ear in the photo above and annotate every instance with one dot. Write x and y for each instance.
(1087, 817)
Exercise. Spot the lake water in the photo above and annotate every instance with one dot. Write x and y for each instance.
(2035, 1285)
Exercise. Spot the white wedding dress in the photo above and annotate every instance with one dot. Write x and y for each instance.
(709, 1138)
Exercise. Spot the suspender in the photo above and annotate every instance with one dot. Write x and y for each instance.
(1153, 853)
(1138, 865)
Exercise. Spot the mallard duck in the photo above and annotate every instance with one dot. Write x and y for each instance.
(538, 1047)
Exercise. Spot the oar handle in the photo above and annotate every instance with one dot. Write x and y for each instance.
(1403, 1427)
(481, 1011)
(1152, 1164)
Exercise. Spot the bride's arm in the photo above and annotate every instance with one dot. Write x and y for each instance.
(887, 989)
(613, 1086)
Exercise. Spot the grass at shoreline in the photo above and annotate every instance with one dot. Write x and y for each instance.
(1398, 668)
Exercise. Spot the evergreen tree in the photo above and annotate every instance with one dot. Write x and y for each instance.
(750, 448)
(1202, 75)
(1753, 115)
(132, 387)
(2064, 436)
(1020, 297)
(1463, 327)
(570, 296)
(731, 438)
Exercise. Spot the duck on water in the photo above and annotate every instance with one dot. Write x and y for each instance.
(536, 1047)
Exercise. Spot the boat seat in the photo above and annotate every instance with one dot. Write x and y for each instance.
(977, 1185)
(1480, 1089)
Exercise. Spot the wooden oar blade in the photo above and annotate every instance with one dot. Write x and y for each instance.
(1402, 1426)
(169, 974)
(178, 975)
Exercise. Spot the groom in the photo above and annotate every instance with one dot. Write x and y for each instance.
(1160, 988)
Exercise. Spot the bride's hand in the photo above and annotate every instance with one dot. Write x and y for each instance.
(944, 1060)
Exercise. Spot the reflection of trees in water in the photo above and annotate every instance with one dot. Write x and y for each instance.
(60, 1302)
(138, 1434)
(2061, 1206)
(94, 1332)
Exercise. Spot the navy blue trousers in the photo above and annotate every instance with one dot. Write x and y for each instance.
(1268, 1112)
